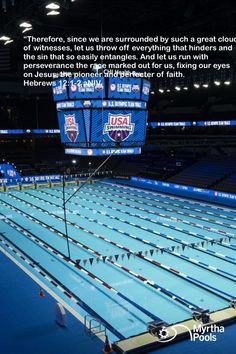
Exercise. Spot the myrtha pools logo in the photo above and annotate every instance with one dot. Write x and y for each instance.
(71, 127)
(119, 127)
(198, 333)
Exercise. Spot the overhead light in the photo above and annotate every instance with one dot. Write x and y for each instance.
(205, 85)
(227, 83)
(217, 83)
(4, 38)
(25, 24)
(53, 6)
(168, 90)
(185, 88)
(27, 29)
(177, 88)
(9, 41)
(53, 13)
(152, 92)
(196, 85)
(74, 161)
(161, 91)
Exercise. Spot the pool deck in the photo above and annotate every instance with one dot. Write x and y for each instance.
(145, 342)
(27, 321)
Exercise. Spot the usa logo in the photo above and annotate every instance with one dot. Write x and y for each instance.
(119, 127)
(71, 127)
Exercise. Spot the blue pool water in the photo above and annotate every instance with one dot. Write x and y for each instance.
(165, 255)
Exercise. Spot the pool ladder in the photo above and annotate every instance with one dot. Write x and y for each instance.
(93, 326)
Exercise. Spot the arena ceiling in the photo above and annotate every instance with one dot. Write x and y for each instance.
(121, 16)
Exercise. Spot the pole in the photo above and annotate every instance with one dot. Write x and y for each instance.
(65, 216)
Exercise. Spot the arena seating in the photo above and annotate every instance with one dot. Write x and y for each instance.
(228, 184)
(207, 172)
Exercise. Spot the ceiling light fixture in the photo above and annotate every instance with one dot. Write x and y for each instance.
(53, 13)
(25, 24)
(8, 42)
(27, 29)
(4, 38)
(53, 6)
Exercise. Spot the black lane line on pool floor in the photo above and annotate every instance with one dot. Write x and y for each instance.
(186, 277)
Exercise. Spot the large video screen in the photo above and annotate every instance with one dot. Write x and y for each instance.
(124, 88)
(98, 87)
(74, 126)
(103, 114)
(103, 128)
(125, 126)
(86, 88)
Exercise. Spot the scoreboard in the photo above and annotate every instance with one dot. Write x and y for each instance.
(97, 113)
(96, 127)
(90, 88)
(84, 88)
(128, 88)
